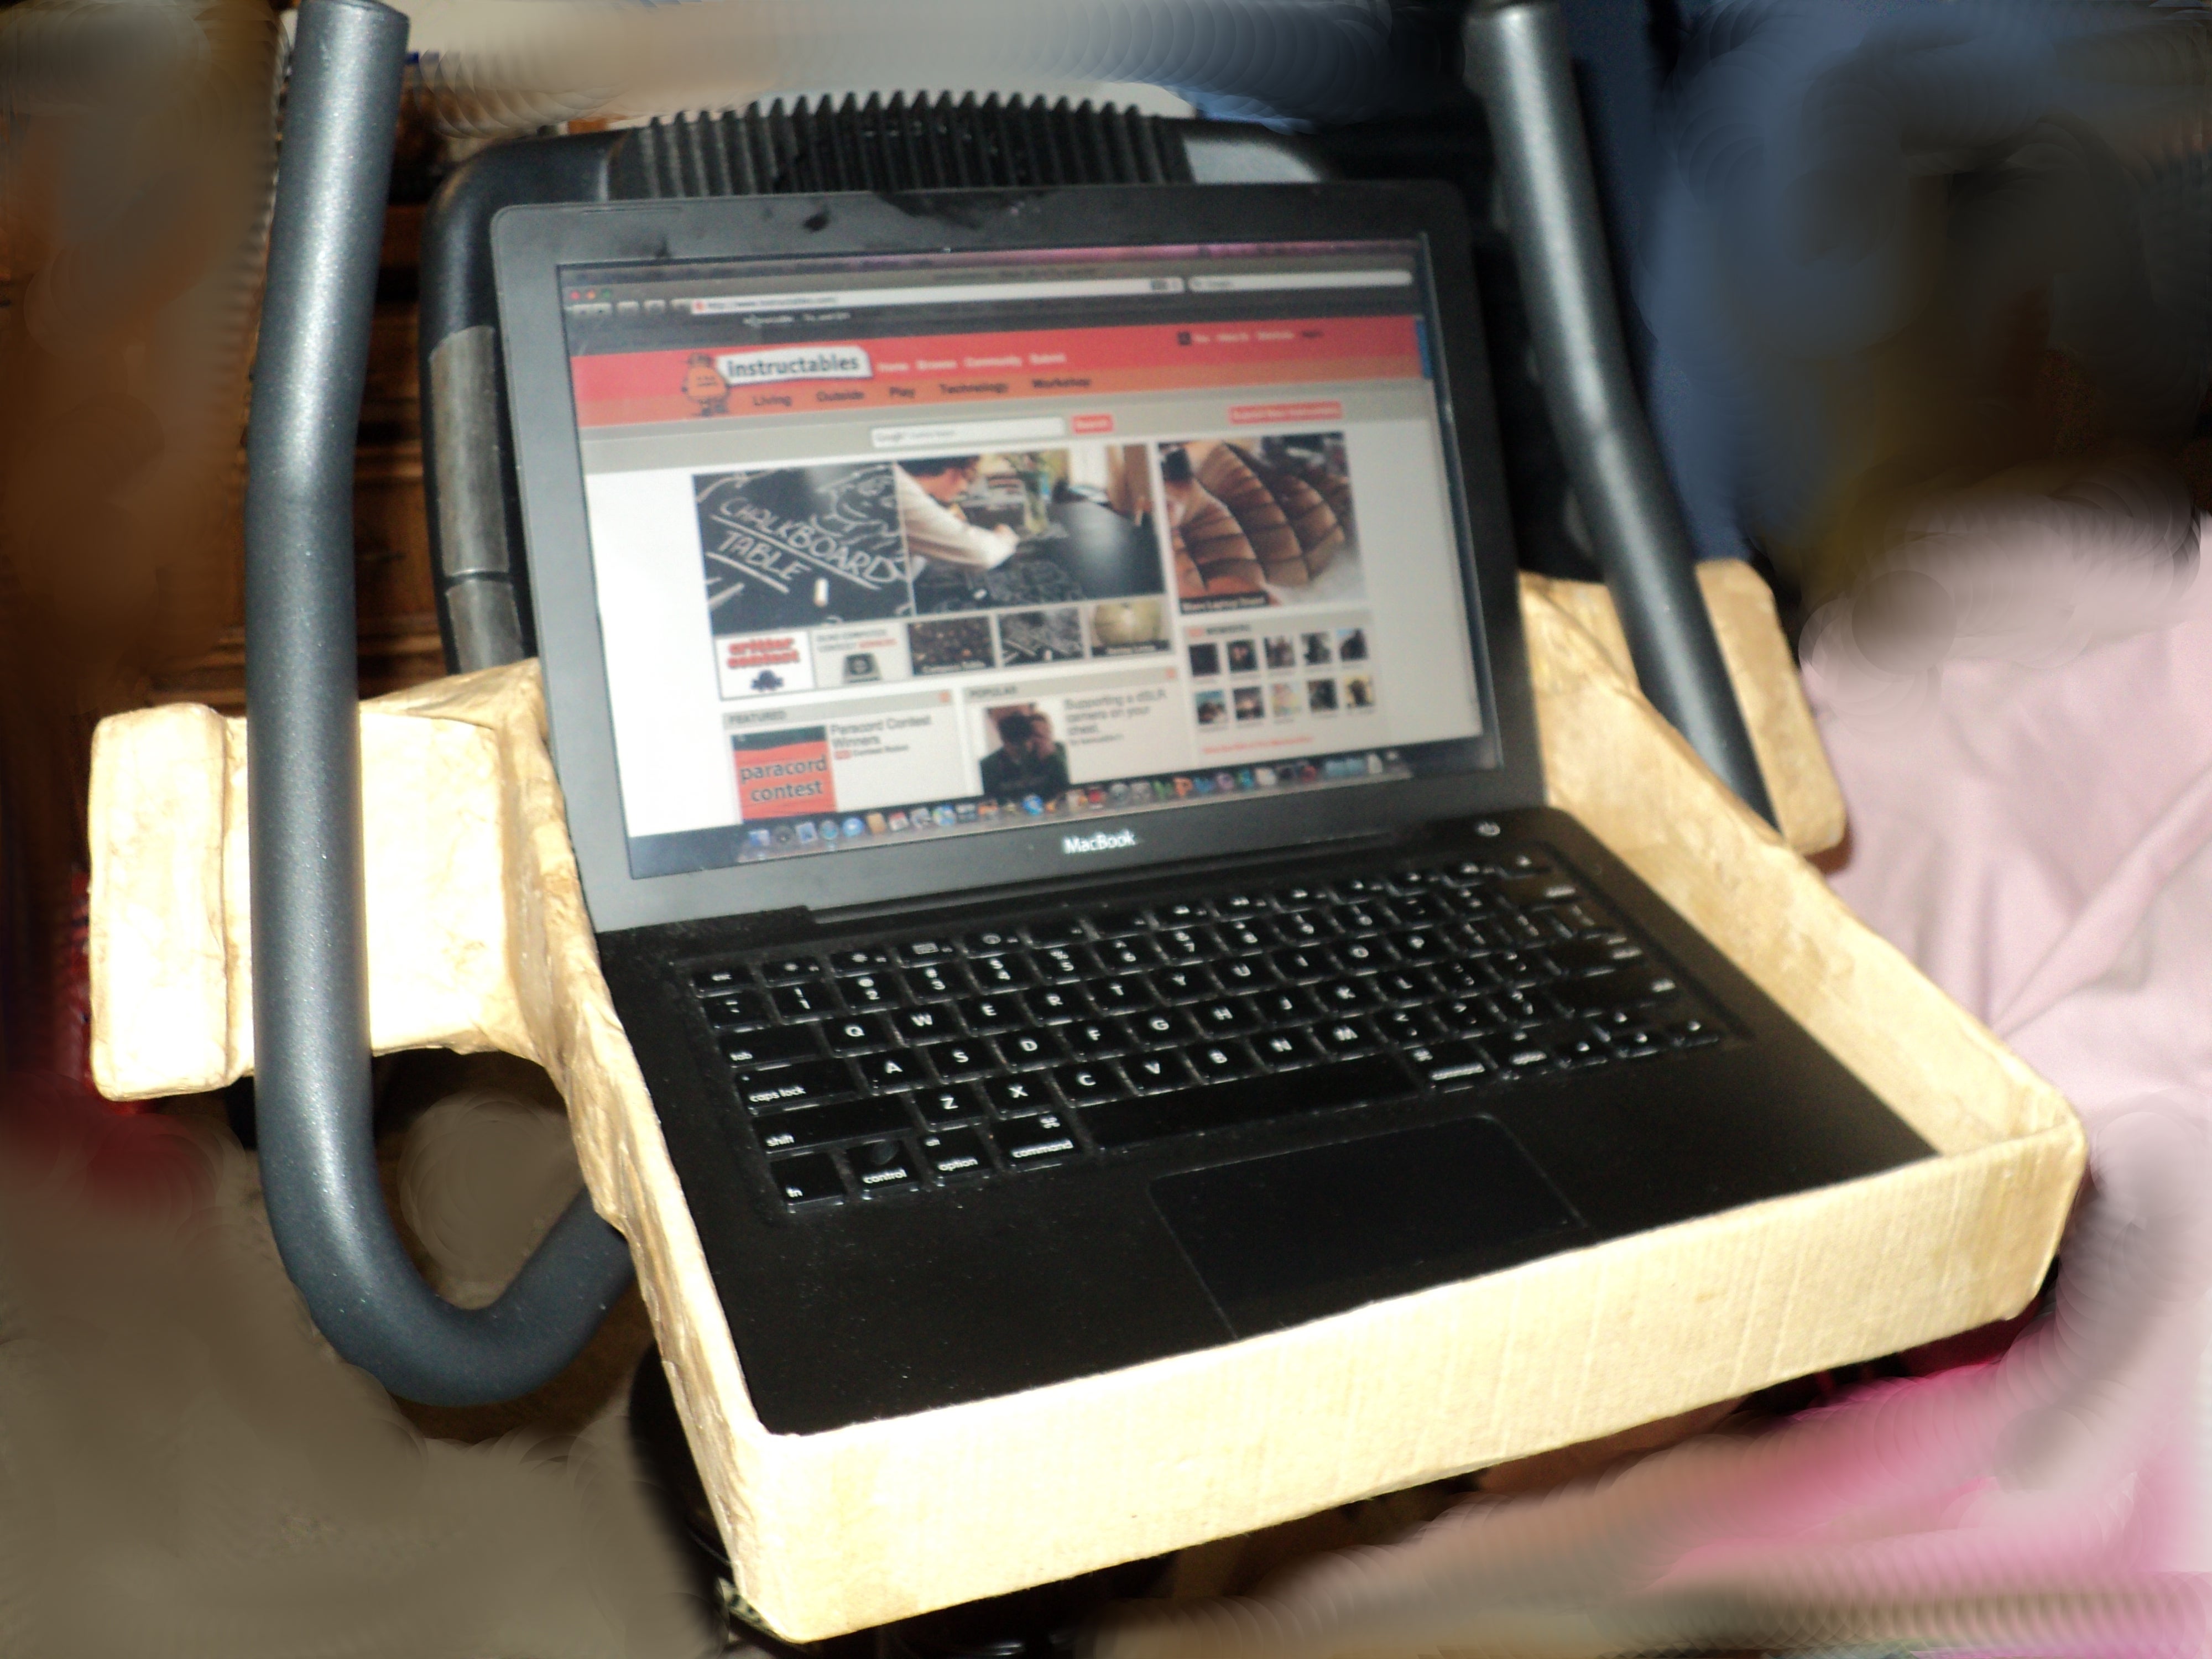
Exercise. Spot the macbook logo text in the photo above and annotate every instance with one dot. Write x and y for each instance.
(1103, 841)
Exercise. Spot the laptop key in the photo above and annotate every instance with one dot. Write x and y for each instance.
(789, 970)
(1344, 1036)
(985, 1015)
(1085, 1083)
(1397, 985)
(1346, 996)
(887, 1073)
(1282, 1006)
(1417, 911)
(859, 959)
(1182, 984)
(1064, 963)
(881, 1164)
(1120, 955)
(969, 1057)
(736, 1010)
(1039, 1141)
(1456, 1061)
(950, 1102)
(1692, 1034)
(1154, 1072)
(1464, 975)
(814, 1000)
(1122, 994)
(810, 1178)
(1370, 1080)
(926, 1024)
(1407, 1025)
(1056, 930)
(1095, 1039)
(771, 1046)
(857, 1033)
(1184, 944)
(919, 951)
(1628, 988)
(1359, 956)
(1242, 974)
(1226, 1017)
(1163, 1026)
(825, 1125)
(1216, 1062)
(715, 982)
(1000, 973)
(1112, 924)
(1417, 945)
(990, 943)
(806, 1083)
(1285, 1048)
(1023, 1094)
(1032, 1048)
(957, 1152)
(1052, 1004)
(931, 981)
(865, 991)
(1525, 892)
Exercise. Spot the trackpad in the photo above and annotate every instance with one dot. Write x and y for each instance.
(1294, 1236)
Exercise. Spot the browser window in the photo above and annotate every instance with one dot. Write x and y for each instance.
(908, 547)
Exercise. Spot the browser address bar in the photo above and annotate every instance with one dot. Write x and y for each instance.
(925, 294)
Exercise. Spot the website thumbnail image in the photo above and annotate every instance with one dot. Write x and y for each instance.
(987, 755)
(1285, 680)
(1047, 556)
(840, 550)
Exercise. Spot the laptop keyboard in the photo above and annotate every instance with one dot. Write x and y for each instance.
(932, 1060)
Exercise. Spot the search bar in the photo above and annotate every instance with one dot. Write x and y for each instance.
(946, 293)
(1277, 281)
(951, 433)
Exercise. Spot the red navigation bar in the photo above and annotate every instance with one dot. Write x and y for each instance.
(747, 377)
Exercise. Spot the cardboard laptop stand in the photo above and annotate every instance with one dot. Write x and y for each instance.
(478, 940)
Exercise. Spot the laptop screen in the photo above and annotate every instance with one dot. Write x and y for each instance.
(923, 546)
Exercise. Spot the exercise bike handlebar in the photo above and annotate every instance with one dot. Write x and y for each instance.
(1518, 66)
(312, 1098)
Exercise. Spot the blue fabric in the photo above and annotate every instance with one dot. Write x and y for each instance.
(1783, 246)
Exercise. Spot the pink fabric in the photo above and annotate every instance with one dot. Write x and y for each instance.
(2037, 833)
(2036, 838)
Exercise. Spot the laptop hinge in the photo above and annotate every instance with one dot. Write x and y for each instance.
(1244, 863)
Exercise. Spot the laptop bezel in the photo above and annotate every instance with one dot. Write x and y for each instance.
(531, 244)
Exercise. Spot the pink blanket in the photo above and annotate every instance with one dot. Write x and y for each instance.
(2031, 811)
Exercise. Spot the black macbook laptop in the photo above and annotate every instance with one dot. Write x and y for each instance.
(1038, 685)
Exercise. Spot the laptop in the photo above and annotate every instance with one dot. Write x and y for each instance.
(1038, 683)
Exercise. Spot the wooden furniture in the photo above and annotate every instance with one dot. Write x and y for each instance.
(478, 940)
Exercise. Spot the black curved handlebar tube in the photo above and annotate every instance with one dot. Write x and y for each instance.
(310, 968)
(1518, 65)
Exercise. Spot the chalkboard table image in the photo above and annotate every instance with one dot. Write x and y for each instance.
(800, 547)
